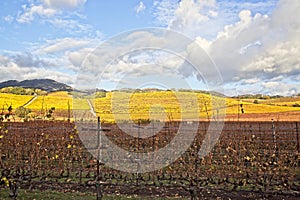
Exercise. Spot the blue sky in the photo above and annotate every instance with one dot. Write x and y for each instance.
(254, 43)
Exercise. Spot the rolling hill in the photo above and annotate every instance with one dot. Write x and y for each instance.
(141, 103)
(48, 85)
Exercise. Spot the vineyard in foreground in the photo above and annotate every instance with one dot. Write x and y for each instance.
(250, 160)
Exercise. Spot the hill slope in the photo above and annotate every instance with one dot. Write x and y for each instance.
(43, 84)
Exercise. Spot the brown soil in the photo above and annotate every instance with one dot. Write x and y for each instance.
(280, 116)
(174, 192)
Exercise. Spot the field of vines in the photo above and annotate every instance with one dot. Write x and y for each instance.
(13, 100)
(58, 100)
(249, 160)
(140, 104)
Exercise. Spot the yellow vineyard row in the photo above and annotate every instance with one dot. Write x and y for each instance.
(58, 100)
(13, 100)
(158, 105)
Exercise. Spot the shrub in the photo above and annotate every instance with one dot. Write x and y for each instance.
(22, 112)
(255, 101)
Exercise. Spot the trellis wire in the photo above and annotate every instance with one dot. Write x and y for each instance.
(38, 154)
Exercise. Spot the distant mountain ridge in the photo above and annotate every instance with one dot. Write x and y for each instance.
(48, 85)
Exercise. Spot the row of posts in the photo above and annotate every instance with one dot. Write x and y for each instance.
(99, 183)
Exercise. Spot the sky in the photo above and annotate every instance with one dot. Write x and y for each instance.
(253, 44)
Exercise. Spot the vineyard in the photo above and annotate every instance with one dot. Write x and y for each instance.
(13, 99)
(62, 146)
(249, 160)
(59, 100)
(140, 104)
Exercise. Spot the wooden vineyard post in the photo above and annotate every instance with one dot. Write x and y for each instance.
(297, 135)
(274, 135)
(69, 111)
(98, 181)
(153, 128)
(138, 148)
(195, 180)
(153, 140)
(260, 134)
(99, 141)
(166, 131)
(138, 158)
(238, 111)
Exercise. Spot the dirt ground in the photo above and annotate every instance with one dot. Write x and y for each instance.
(203, 194)
(175, 192)
(280, 116)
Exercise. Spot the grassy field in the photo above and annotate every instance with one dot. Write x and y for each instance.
(53, 195)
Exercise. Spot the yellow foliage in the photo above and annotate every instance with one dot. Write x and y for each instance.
(13, 99)
(5, 180)
(160, 105)
(59, 100)
(60, 94)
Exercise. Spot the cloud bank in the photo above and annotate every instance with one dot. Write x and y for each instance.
(256, 45)
(255, 52)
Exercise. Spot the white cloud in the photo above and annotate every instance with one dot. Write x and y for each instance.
(187, 16)
(4, 60)
(213, 13)
(282, 88)
(185, 13)
(251, 44)
(204, 18)
(75, 58)
(190, 14)
(12, 68)
(8, 18)
(137, 55)
(251, 81)
(203, 43)
(140, 7)
(68, 52)
(62, 44)
(70, 25)
(26, 59)
(64, 4)
(245, 49)
(59, 13)
(270, 85)
(165, 11)
(256, 49)
(33, 11)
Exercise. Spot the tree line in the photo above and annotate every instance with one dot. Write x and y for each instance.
(23, 91)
